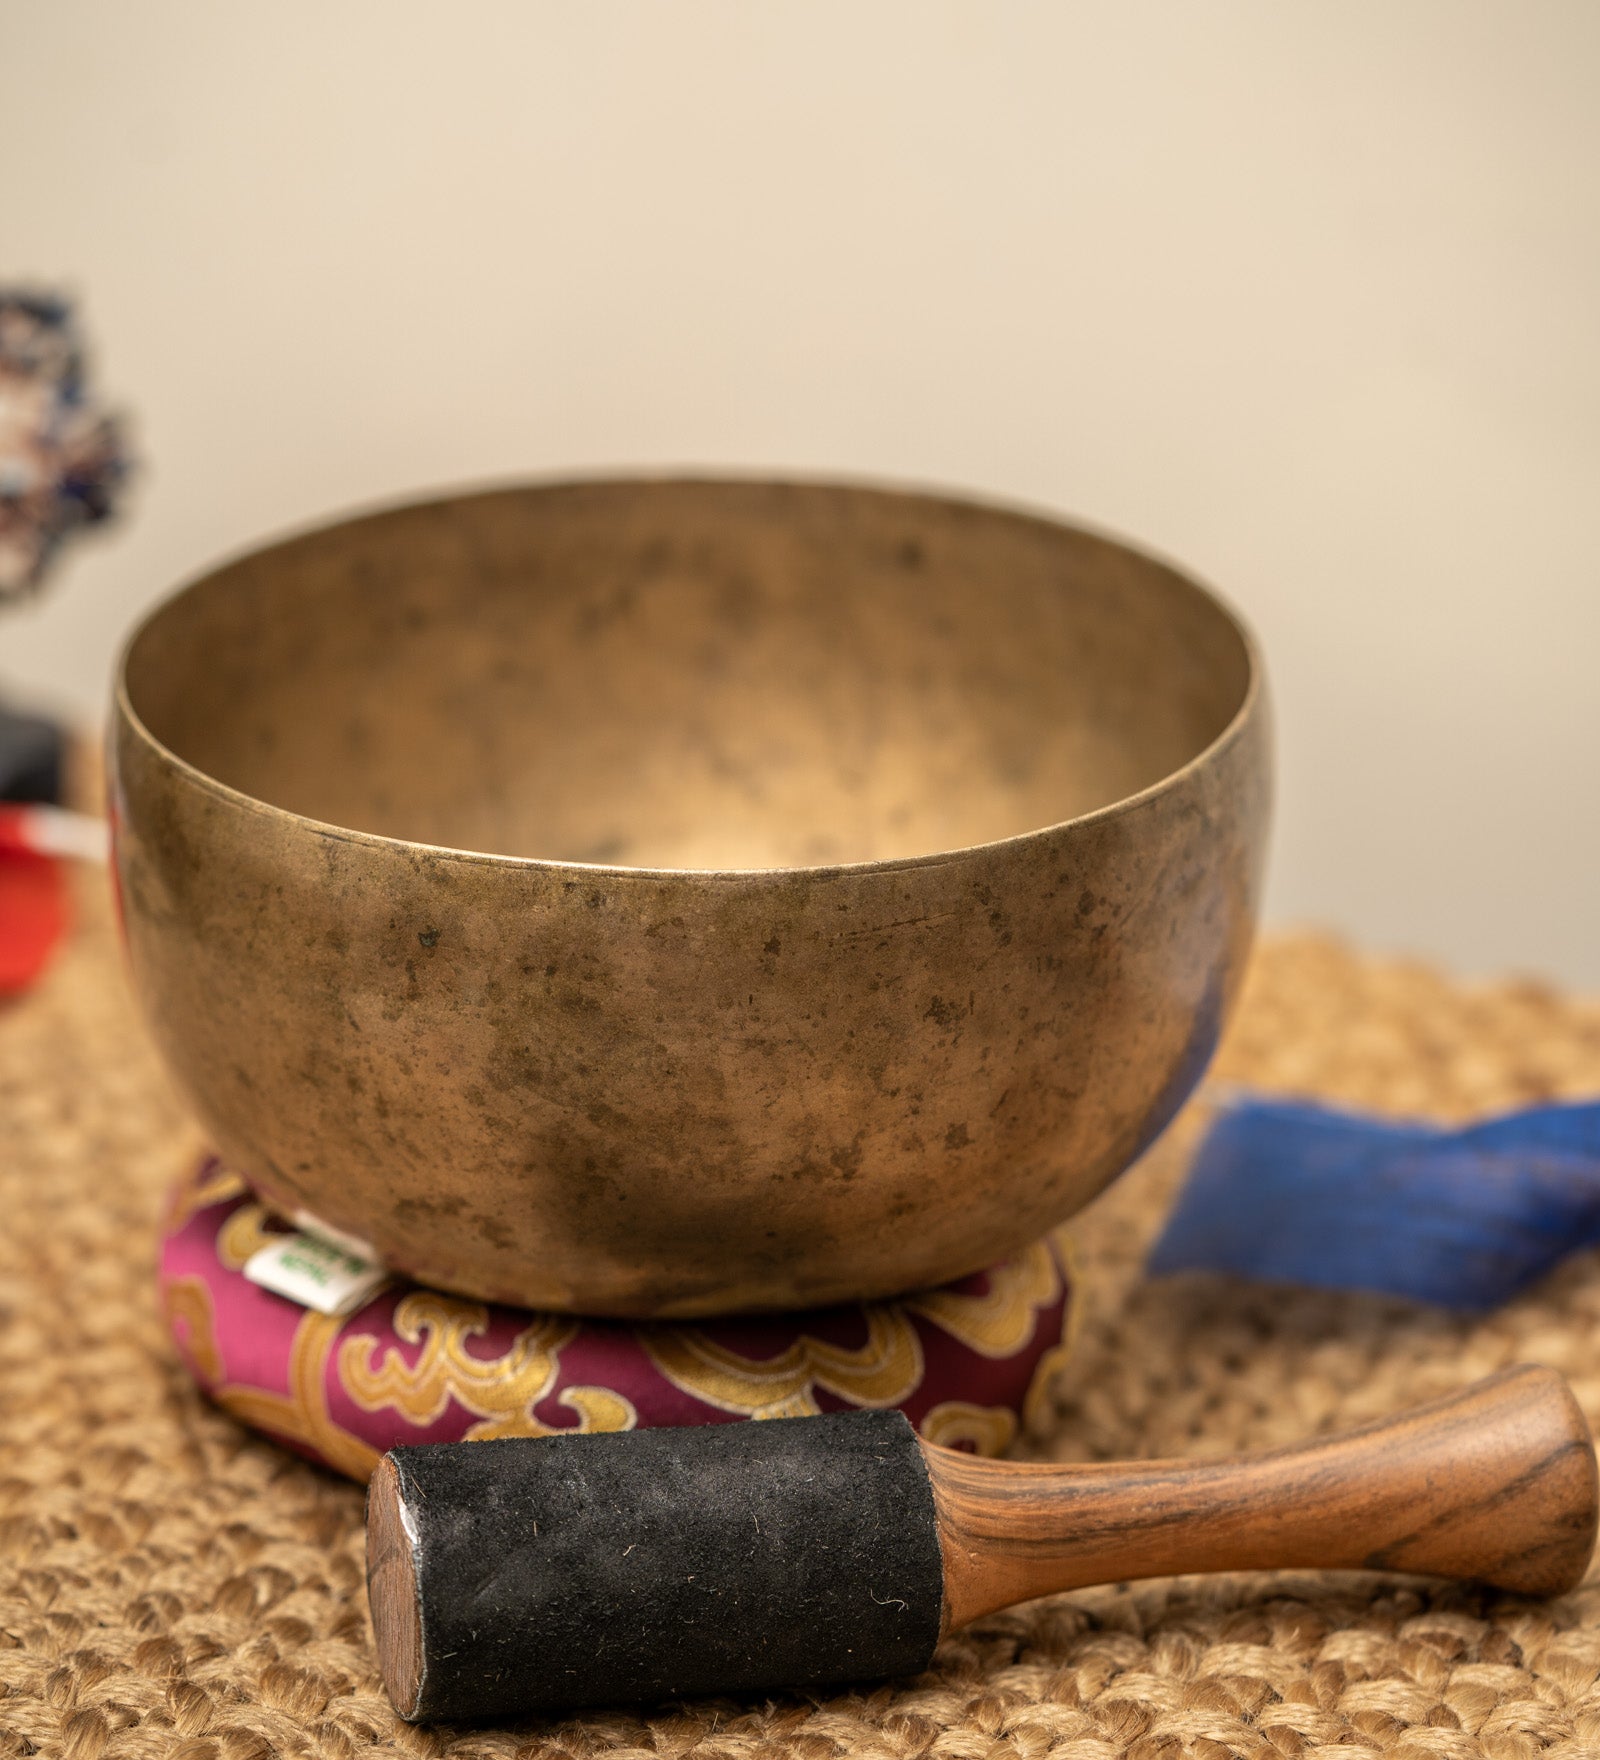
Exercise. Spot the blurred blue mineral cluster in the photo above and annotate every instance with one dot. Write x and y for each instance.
(63, 460)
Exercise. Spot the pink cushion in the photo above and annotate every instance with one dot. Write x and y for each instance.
(414, 1365)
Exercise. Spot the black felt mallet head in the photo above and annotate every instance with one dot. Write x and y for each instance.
(548, 1573)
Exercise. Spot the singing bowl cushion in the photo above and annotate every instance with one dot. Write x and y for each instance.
(414, 1365)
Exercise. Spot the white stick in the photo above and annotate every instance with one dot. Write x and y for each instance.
(54, 831)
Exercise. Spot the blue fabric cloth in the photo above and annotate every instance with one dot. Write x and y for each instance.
(1465, 1218)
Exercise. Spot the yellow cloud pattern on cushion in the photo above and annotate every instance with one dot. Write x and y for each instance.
(502, 1391)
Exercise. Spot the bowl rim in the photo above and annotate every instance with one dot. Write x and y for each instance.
(125, 714)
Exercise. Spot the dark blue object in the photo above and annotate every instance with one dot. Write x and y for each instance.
(1293, 1193)
(32, 758)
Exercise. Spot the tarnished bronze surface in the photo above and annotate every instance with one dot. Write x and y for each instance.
(872, 875)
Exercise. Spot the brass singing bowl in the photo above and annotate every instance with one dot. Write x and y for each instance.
(663, 898)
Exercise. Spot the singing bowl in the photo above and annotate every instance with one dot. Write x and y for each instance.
(663, 898)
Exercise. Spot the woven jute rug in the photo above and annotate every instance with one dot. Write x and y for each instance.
(171, 1584)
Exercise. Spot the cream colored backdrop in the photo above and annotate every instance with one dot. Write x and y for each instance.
(1307, 296)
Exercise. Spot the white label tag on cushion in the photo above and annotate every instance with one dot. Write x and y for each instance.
(353, 1244)
(307, 1269)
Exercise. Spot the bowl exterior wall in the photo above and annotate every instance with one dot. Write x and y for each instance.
(678, 1094)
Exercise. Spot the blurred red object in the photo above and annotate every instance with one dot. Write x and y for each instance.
(33, 915)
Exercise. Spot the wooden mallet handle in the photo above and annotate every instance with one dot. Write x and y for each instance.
(545, 1573)
(1497, 1482)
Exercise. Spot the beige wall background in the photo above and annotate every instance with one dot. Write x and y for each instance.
(1307, 297)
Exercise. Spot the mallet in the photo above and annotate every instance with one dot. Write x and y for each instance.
(548, 1573)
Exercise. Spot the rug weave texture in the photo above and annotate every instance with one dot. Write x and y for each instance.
(172, 1585)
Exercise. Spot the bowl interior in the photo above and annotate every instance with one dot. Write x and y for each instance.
(691, 675)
